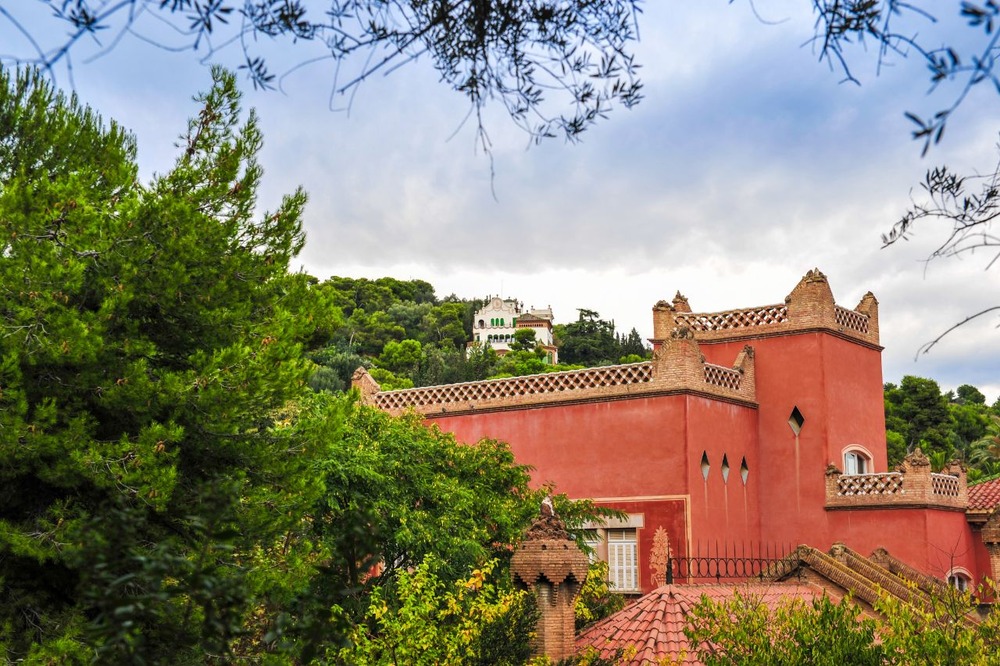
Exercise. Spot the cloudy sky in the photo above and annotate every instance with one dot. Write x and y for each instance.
(747, 163)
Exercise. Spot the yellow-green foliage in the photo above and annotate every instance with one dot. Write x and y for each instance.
(427, 621)
(946, 632)
(745, 631)
(596, 600)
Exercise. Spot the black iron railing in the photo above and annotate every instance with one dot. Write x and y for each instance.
(715, 563)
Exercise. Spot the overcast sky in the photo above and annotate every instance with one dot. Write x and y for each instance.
(747, 163)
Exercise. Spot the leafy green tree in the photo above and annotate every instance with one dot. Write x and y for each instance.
(895, 446)
(421, 493)
(743, 630)
(150, 348)
(389, 380)
(746, 631)
(984, 453)
(632, 346)
(588, 341)
(968, 394)
(401, 357)
(444, 325)
(369, 332)
(918, 411)
(410, 316)
(969, 422)
(335, 364)
(524, 340)
(474, 621)
(940, 633)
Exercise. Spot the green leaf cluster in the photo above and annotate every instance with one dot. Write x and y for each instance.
(476, 621)
(945, 425)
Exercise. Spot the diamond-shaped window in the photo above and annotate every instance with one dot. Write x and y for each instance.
(796, 420)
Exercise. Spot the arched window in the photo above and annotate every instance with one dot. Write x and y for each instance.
(960, 579)
(482, 324)
(857, 461)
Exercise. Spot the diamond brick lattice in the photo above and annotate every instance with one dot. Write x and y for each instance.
(850, 319)
(890, 483)
(722, 321)
(499, 389)
(945, 484)
(724, 377)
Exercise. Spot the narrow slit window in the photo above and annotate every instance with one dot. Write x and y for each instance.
(744, 471)
(725, 468)
(704, 465)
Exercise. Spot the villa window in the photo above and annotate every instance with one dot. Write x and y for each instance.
(959, 580)
(616, 541)
(856, 462)
(623, 559)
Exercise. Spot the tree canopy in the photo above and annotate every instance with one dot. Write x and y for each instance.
(171, 489)
(151, 340)
(951, 425)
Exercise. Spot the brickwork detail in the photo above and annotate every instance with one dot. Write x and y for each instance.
(889, 483)
(677, 366)
(499, 389)
(810, 306)
(945, 484)
(912, 485)
(866, 580)
(850, 319)
(552, 566)
(724, 377)
(928, 584)
(733, 319)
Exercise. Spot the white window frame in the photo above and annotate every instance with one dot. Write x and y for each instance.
(857, 460)
(960, 579)
(623, 559)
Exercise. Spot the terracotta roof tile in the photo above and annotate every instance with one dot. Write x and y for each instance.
(654, 625)
(984, 495)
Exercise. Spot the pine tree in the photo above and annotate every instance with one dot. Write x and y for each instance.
(150, 357)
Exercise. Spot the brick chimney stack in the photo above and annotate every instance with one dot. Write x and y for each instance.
(550, 564)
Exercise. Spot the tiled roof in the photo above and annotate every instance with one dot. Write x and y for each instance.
(984, 495)
(654, 625)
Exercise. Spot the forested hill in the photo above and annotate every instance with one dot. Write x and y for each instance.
(407, 336)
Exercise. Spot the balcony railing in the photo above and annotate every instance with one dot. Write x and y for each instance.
(913, 485)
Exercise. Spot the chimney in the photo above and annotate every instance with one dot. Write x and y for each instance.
(550, 564)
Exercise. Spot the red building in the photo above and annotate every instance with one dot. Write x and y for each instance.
(762, 425)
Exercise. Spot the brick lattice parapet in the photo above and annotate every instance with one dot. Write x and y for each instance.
(912, 485)
(810, 307)
(677, 367)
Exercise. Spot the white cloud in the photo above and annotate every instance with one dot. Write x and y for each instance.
(747, 164)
